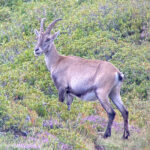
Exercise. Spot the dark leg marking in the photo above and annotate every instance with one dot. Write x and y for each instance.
(61, 93)
(111, 117)
(126, 130)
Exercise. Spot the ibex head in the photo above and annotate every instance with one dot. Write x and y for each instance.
(45, 39)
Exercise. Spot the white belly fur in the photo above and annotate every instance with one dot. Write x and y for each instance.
(90, 96)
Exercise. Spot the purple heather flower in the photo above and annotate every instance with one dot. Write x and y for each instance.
(64, 146)
(51, 124)
(28, 146)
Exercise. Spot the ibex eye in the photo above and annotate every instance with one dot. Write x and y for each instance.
(47, 40)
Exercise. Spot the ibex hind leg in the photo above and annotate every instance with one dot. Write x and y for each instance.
(103, 99)
(116, 98)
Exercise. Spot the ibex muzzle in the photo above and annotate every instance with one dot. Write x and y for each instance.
(86, 79)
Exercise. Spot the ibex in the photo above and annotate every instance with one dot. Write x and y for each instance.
(86, 79)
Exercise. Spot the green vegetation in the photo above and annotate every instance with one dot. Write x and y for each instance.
(117, 31)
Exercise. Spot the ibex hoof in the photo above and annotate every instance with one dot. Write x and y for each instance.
(126, 135)
(106, 135)
(68, 108)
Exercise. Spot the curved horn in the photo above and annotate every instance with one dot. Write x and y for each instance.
(49, 28)
(42, 25)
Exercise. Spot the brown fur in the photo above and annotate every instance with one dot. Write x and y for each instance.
(84, 78)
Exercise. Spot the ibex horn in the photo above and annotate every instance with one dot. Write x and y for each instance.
(49, 28)
(42, 25)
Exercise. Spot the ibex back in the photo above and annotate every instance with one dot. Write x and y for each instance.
(86, 79)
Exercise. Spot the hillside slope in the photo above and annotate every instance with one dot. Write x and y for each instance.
(117, 31)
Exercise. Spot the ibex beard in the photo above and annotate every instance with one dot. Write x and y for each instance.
(86, 79)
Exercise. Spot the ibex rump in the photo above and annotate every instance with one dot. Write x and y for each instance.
(87, 79)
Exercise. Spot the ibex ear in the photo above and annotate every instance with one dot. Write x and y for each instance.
(36, 32)
(55, 35)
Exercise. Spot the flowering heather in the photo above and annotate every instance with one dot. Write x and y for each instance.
(51, 124)
(27, 146)
(63, 146)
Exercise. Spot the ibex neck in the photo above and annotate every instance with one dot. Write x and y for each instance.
(51, 57)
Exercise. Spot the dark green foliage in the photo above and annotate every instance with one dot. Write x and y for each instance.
(41, 110)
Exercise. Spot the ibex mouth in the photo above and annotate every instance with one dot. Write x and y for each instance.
(37, 54)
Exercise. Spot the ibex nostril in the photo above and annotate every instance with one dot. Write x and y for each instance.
(36, 49)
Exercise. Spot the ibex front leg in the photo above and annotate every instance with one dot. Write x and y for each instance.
(69, 100)
(61, 93)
